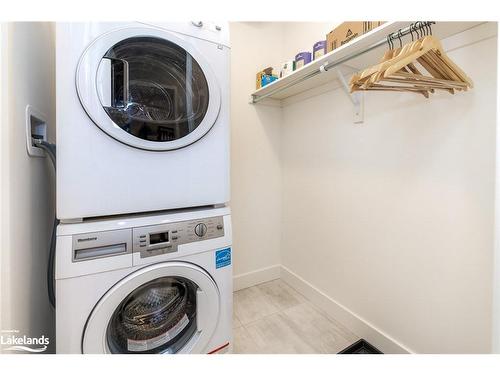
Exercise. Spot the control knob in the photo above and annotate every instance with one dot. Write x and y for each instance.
(200, 230)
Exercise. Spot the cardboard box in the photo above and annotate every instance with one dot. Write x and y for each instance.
(258, 80)
(348, 31)
(259, 75)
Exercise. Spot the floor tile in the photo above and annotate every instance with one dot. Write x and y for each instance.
(315, 329)
(344, 330)
(282, 295)
(273, 335)
(236, 321)
(252, 304)
(273, 318)
(243, 342)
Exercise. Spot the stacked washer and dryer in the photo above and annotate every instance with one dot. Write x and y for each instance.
(143, 254)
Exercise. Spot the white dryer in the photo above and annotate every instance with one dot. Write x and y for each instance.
(145, 284)
(142, 117)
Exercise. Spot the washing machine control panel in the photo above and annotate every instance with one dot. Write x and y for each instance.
(165, 238)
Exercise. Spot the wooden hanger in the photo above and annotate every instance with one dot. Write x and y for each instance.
(431, 50)
(389, 55)
(381, 67)
(405, 51)
(365, 83)
(398, 71)
(357, 77)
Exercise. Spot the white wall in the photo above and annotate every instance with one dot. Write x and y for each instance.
(28, 189)
(255, 156)
(301, 36)
(393, 219)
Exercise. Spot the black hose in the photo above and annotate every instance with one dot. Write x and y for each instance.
(50, 149)
(51, 265)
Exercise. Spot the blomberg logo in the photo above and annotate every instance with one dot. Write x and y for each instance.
(10, 340)
(86, 239)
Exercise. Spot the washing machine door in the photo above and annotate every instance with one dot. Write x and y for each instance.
(170, 307)
(148, 88)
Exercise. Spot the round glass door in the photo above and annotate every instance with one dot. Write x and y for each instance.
(157, 91)
(169, 307)
(148, 88)
(157, 317)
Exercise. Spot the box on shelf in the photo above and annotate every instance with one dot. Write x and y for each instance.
(301, 59)
(319, 49)
(348, 31)
(258, 81)
(267, 79)
(287, 68)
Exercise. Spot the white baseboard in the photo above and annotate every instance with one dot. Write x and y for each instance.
(248, 279)
(343, 315)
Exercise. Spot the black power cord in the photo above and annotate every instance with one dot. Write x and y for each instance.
(50, 150)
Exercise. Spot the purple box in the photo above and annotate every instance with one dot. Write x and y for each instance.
(301, 59)
(319, 49)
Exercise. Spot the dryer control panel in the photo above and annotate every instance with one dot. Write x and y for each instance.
(165, 238)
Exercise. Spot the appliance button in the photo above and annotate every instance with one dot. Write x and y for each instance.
(174, 238)
(220, 227)
(200, 230)
(197, 23)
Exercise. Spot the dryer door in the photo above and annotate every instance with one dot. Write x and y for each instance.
(148, 88)
(170, 307)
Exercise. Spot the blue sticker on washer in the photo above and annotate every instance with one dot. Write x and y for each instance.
(223, 258)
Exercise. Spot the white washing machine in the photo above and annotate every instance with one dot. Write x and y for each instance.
(145, 284)
(142, 117)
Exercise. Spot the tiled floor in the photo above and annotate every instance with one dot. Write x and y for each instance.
(273, 318)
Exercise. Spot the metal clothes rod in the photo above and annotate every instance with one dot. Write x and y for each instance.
(413, 28)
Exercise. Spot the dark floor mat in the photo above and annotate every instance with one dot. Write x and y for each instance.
(361, 347)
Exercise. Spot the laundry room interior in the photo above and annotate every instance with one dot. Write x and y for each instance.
(278, 193)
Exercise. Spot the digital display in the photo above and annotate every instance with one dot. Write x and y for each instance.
(155, 238)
